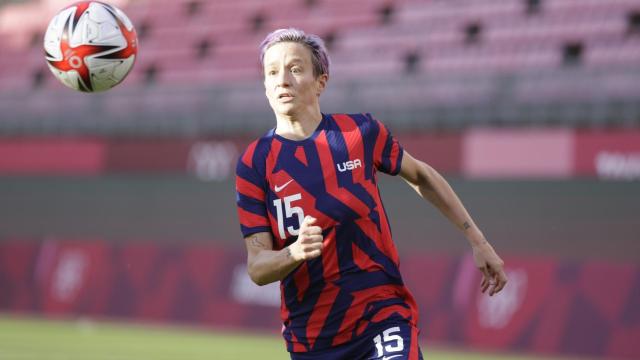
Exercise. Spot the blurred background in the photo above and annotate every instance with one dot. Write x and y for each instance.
(120, 206)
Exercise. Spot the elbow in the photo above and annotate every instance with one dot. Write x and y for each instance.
(259, 281)
(256, 277)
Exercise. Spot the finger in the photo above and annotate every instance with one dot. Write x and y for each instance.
(307, 223)
(486, 279)
(491, 279)
(503, 276)
(500, 283)
(313, 246)
(493, 284)
(487, 284)
(496, 275)
(309, 239)
(313, 254)
(314, 230)
(314, 239)
(496, 288)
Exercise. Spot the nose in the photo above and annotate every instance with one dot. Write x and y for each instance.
(283, 78)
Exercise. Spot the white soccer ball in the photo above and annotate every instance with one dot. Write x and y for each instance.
(90, 46)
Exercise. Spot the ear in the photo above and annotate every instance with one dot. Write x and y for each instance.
(321, 83)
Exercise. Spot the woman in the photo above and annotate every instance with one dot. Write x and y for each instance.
(312, 217)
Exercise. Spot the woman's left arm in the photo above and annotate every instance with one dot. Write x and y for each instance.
(431, 186)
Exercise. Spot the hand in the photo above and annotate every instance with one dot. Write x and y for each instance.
(309, 243)
(491, 266)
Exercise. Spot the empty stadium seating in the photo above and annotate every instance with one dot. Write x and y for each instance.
(197, 43)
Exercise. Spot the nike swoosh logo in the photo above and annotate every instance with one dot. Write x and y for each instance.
(390, 357)
(278, 188)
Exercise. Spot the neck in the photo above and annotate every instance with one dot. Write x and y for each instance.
(298, 126)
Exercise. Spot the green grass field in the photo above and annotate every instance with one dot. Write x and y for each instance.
(37, 339)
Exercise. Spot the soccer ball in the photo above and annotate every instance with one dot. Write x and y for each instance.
(90, 46)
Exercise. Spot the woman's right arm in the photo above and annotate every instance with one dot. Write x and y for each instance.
(266, 265)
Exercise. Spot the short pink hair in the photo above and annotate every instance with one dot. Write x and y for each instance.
(319, 56)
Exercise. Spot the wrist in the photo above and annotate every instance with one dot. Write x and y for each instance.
(292, 254)
(476, 237)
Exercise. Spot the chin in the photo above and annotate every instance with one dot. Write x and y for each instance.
(285, 109)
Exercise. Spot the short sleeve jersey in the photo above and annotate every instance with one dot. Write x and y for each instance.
(331, 176)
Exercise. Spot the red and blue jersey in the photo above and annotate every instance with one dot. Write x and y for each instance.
(331, 176)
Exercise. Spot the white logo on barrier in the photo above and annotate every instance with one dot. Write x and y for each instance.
(618, 165)
(69, 275)
(245, 291)
(212, 160)
(496, 311)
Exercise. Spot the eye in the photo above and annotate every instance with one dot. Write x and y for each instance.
(271, 72)
(296, 70)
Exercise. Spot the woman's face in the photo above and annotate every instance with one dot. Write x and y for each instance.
(289, 82)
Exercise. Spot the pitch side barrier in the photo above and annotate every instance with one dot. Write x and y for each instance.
(474, 153)
(551, 306)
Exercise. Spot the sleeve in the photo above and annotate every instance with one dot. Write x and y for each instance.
(250, 196)
(387, 151)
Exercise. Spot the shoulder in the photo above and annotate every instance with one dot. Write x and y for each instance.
(257, 151)
(358, 118)
(364, 121)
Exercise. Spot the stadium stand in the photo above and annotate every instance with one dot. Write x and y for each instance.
(450, 63)
(530, 107)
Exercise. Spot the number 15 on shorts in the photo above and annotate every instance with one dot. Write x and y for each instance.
(389, 342)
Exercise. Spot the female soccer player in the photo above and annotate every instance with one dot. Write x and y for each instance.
(312, 217)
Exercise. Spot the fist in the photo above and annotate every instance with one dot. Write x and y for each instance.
(309, 243)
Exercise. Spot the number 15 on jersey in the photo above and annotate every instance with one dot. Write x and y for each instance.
(288, 212)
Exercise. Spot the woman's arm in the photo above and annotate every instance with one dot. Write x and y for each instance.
(431, 186)
(266, 265)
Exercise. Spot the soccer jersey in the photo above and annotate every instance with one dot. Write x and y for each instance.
(331, 176)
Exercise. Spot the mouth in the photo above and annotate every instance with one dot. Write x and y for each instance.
(285, 96)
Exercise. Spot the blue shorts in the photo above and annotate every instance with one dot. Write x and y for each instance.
(386, 341)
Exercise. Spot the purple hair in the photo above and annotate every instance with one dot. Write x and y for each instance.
(319, 56)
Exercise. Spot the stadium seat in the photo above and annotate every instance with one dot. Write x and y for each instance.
(214, 45)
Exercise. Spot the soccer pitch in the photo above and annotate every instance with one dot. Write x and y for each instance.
(37, 339)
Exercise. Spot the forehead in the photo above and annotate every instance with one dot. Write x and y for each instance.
(287, 52)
